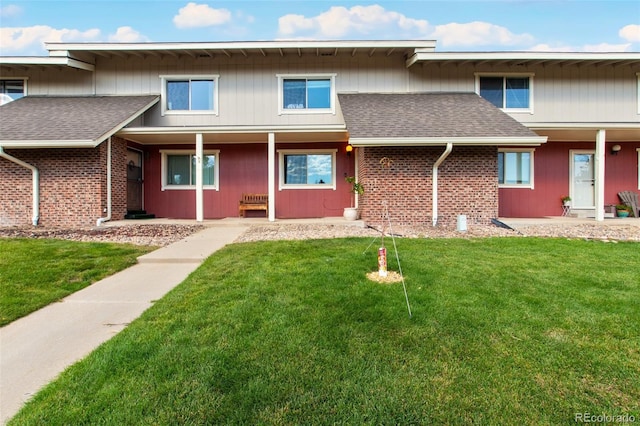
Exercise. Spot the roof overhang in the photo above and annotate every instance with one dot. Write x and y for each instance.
(13, 62)
(586, 132)
(234, 134)
(87, 51)
(526, 58)
(481, 141)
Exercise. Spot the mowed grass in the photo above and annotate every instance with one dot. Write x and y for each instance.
(504, 331)
(37, 272)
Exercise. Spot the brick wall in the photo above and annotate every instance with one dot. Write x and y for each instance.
(73, 185)
(467, 184)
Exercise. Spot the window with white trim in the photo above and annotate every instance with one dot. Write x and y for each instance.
(307, 169)
(638, 167)
(179, 169)
(12, 89)
(306, 93)
(196, 94)
(511, 92)
(515, 168)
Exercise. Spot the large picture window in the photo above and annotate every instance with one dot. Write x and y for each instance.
(190, 94)
(179, 170)
(306, 94)
(510, 92)
(515, 168)
(307, 169)
(10, 90)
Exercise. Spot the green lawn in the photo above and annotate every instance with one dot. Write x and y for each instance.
(504, 331)
(37, 272)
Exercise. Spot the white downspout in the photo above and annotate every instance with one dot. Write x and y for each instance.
(101, 220)
(445, 154)
(36, 184)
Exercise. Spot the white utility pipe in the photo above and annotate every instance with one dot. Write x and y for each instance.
(36, 184)
(101, 220)
(445, 154)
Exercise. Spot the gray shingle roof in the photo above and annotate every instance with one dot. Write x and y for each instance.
(456, 116)
(39, 121)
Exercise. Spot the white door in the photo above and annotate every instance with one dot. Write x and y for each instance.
(582, 183)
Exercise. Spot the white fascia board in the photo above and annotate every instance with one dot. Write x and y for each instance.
(33, 144)
(62, 61)
(585, 126)
(56, 48)
(480, 141)
(230, 129)
(522, 56)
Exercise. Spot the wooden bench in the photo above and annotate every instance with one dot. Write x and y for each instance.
(253, 202)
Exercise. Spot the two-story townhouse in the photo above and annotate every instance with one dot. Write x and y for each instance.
(182, 130)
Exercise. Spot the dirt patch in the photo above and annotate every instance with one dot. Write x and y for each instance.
(391, 278)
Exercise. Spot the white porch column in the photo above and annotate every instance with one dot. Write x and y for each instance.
(199, 179)
(599, 171)
(272, 176)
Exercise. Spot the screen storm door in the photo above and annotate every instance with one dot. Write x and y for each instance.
(582, 179)
(134, 180)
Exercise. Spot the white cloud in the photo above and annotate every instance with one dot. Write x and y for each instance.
(127, 35)
(339, 22)
(606, 47)
(602, 47)
(30, 40)
(200, 15)
(630, 33)
(10, 10)
(477, 34)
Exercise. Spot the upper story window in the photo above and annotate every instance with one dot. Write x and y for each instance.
(190, 94)
(515, 168)
(10, 90)
(306, 93)
(307, 169)
(512, 93)
(179, 169)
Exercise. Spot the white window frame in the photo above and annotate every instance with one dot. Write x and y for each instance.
(163, 169)
(332, 95)
(509, 75)
(24, 83)
(282, 168)
(529, 185)
(176, 77)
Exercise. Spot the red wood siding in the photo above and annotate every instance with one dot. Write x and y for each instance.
(244, 168)
(551, 179)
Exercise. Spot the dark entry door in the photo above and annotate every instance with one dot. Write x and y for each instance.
(134, 180)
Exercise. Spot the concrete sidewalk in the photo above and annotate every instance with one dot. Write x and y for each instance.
(38, 347)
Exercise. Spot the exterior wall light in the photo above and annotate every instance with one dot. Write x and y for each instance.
(349, 148)
(615, 149)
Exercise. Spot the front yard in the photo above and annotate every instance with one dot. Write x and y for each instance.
(504, 331)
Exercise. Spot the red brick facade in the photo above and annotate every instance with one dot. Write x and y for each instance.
(402, 178)
(73, 185)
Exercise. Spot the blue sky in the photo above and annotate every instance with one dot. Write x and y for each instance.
(456, 25)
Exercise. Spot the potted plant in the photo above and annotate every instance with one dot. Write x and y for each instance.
(566, 200)
(351, 213)
(622, 210)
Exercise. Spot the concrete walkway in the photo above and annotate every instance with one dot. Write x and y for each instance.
(38, 347)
